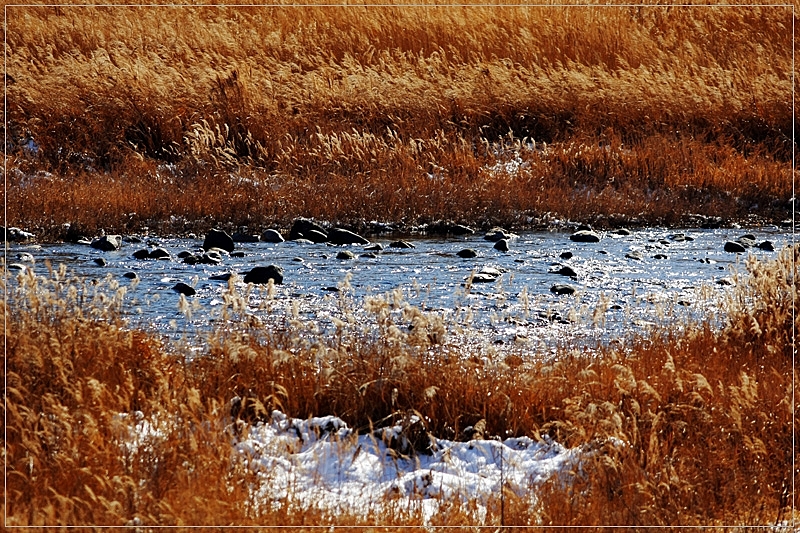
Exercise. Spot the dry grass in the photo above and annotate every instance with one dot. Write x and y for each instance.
(705, 415)
(253, 116)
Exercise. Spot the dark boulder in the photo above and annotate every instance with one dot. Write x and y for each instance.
(159, 253)
(244, 237)
(107, 243)
(261, 275)
(623, 231)
(768, 246)
(218, 239)
(566, 255)
(734, 247)
(271, 235)
(182, 288)
(401, 244)
(343, 236)
(317, 237)
(221, 277)
(559, 288)
(302, 226)
(130, 275)
(377, 247)
(659, 256)
(467, 253)
(209, 258)
(501, 245)
(566, 271)
(141, 254)
(99, 261)
(636, 256)
(585, 236)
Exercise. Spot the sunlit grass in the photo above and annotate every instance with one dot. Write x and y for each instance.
(705, 413)
(179, 118)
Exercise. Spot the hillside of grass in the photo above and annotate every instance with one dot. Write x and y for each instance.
(181, 118)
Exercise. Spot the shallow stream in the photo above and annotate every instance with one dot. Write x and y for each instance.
(675, 279)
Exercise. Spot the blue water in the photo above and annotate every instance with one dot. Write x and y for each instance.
(517, 309)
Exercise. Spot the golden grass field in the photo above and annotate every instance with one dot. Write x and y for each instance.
(251, 116)
(178, 119)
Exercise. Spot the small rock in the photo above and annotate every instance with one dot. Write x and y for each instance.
(262, 275)
(636, 256)
(133, 239)
(107, 243)
(768, 246)
(342, 236)
(659, 256)
(99, 261)
(238, 254)
(585, 236)
(159, 253)
(401, 244)
(623, 231)
(566, 271)
(566, 255)
(377, 247)
(218, 239)
(141, 254)
(734, 247)
(370, 255)
(182, 288)
(303, 241)
(271, 235)
(467, 253)
(345, 255)
(191, 260)
(501, 245)
(183, 254)
(16, 266)
(302, 226)
(244, 237)
(496, 234)
(221, 277)
(209, 258)
(130, 275)
(562, 289)
(297, 259)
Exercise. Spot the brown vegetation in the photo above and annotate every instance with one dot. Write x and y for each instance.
(705, 414)
(256, 115)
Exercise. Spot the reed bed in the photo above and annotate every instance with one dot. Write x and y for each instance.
(111, 426)
(181, 118)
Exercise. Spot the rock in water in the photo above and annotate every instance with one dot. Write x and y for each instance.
(107, 243)
(401, 244)
(343, 236)
(467, 253)
(271, 235)
(559, 288)
(302, 226)
(182, 288)
(585, 236)
(496, 234)
(159, 253)
(501, 245)
(768, 246)
(262, 275)
(218, 239)
(345, 255)
(734, 247)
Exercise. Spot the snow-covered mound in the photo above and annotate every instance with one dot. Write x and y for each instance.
(322, 463)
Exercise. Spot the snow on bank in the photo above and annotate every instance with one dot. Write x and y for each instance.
(321, 463)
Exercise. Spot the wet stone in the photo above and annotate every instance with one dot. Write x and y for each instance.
(566, 271)
(659, 256)
(734, 247)
(636, 256)
(560, 289)
(183, 288)
(376, 247)
(272, 235)
(768, 246)
(159, 253)
(99, 261)
(222, 277)
(141, 254)
(585, 236)
(401, 244)
(501, 245)
(467, 253)
(130, 275)
(345, 255)
(107, 243)
(566, 255)
(262, 275)
(317, 237)
(218, 239)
